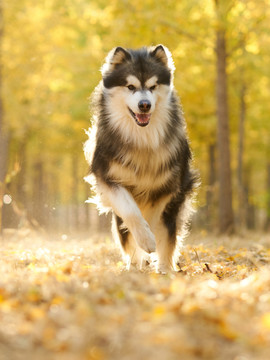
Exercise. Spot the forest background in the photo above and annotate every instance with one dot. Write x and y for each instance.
(51, 53)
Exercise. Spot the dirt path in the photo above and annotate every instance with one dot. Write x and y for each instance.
(71, 299)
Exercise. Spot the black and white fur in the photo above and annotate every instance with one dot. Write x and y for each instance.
(139, 154)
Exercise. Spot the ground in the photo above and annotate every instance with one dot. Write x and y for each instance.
(70, 298)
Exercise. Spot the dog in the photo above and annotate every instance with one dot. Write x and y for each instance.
(139, 155)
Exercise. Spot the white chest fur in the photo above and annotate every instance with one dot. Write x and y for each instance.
(143, 171)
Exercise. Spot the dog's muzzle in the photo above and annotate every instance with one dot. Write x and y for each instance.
(142, 118)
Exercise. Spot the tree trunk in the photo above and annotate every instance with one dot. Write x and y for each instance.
(75, 192)
(211, 183)
(4, 135)
(4, 146)
(241, 135)
(87, 208)
(267, 223)
(38, 203)
(226, 223)
(249, 209)
(21, 190)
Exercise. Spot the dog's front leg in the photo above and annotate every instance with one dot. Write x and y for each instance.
(122, 203)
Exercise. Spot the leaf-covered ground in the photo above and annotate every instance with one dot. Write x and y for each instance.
(67, 298)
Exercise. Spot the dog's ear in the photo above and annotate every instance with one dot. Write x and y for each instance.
(115, 57)
(159, 54)
(119, 56)
(163, 55)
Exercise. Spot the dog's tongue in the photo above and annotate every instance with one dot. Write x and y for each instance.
(143, 118)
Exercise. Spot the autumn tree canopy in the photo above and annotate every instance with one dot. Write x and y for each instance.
(51, 53)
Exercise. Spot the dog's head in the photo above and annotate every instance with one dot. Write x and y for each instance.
(138, 79)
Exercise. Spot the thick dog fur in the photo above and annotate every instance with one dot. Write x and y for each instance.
(139, 154)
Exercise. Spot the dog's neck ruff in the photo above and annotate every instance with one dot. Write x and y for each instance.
(150, 136)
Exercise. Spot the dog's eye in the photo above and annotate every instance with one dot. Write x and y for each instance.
(152, 88)
(131, 87)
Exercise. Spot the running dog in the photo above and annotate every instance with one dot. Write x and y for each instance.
(139, 155)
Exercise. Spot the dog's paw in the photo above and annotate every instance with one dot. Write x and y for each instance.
(165, 268)
(162, 269)
(146, 239)
(139, 261)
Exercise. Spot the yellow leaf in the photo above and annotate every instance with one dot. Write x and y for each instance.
(160, 339)
(190, 307)
(34, 295)
(31, 266)
(140, 297)
(227, 332)
(62, 277)
(177, 286)
(57, 300)
(240, 267)
(159, 311)
(95, 354)
(25, 328)
(265, 321)
(67, 268)
(49, 333)
(35, 313)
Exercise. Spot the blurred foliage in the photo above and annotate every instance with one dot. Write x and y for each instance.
(51, 54)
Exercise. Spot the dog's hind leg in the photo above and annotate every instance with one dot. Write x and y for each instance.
(173, 221)
(166, 244)
(166, 233)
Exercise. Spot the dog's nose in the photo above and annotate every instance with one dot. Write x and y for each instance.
(144, 105)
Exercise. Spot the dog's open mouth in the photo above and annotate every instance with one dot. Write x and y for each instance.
(141, 119)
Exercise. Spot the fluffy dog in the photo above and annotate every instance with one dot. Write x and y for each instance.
(139, 154)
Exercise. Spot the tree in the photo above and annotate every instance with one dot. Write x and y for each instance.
(4, 134)
(226, 218)
(52, 64)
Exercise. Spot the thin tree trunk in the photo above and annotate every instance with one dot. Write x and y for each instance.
(267, 223)
(4, 146)
(226, 222)
(241, 135)
(87, 208)
(38, 194)
(211, 184)
(4, 134)
(75, 192)
(22, 178)
(250, 209)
